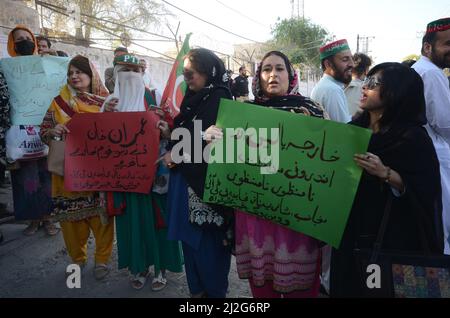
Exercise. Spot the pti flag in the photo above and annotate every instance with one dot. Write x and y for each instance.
(176, 87)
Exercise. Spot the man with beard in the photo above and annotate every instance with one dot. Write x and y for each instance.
(337, 64)
(240, 85)
(435, 57)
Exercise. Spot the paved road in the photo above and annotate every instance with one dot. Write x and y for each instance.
(35, 267)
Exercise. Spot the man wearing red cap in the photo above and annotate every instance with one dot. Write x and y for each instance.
(436, 57)
(337, 64)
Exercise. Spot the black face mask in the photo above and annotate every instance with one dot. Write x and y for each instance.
(24, 47)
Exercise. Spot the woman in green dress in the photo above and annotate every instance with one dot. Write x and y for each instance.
(141, 220)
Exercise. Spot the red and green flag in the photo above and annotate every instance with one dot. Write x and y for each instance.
(176, 87)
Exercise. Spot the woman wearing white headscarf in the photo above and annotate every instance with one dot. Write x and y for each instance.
(141, 225)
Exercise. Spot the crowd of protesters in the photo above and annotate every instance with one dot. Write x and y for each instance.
(406, 106)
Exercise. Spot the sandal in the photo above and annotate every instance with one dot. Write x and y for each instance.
(32, 228)
(138, 281)
(159, 283)
(50, 228)
(100, 271)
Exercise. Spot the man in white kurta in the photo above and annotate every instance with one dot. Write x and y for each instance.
(337, 64)
(436, 57)
(329, 92)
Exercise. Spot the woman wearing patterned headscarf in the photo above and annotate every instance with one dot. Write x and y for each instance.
(203, 229)
(277, 261)
(291, 263)
(79, 212)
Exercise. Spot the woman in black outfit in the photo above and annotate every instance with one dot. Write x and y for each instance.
(401, 165)
(204, 230)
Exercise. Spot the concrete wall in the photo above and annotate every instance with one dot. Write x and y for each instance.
(15, 12)
(158, 69)
(11, 14)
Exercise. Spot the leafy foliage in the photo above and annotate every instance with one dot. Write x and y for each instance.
(98, 14)
(300, 40)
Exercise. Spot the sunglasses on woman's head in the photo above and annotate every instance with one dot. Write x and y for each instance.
(371, 82)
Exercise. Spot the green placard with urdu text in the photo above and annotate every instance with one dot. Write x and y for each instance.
(294, 170)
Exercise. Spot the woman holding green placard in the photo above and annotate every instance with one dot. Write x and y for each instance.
(401, 177)
(277, 261)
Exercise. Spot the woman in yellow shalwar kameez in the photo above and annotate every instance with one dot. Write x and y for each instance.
(79, 212)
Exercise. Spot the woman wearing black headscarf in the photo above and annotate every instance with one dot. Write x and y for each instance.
(206, 247)
(401, 165)
(277, 261)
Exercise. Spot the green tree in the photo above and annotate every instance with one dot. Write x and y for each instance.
(300, 39)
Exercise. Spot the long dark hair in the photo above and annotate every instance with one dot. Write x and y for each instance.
(402, 94)
(81, 63)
